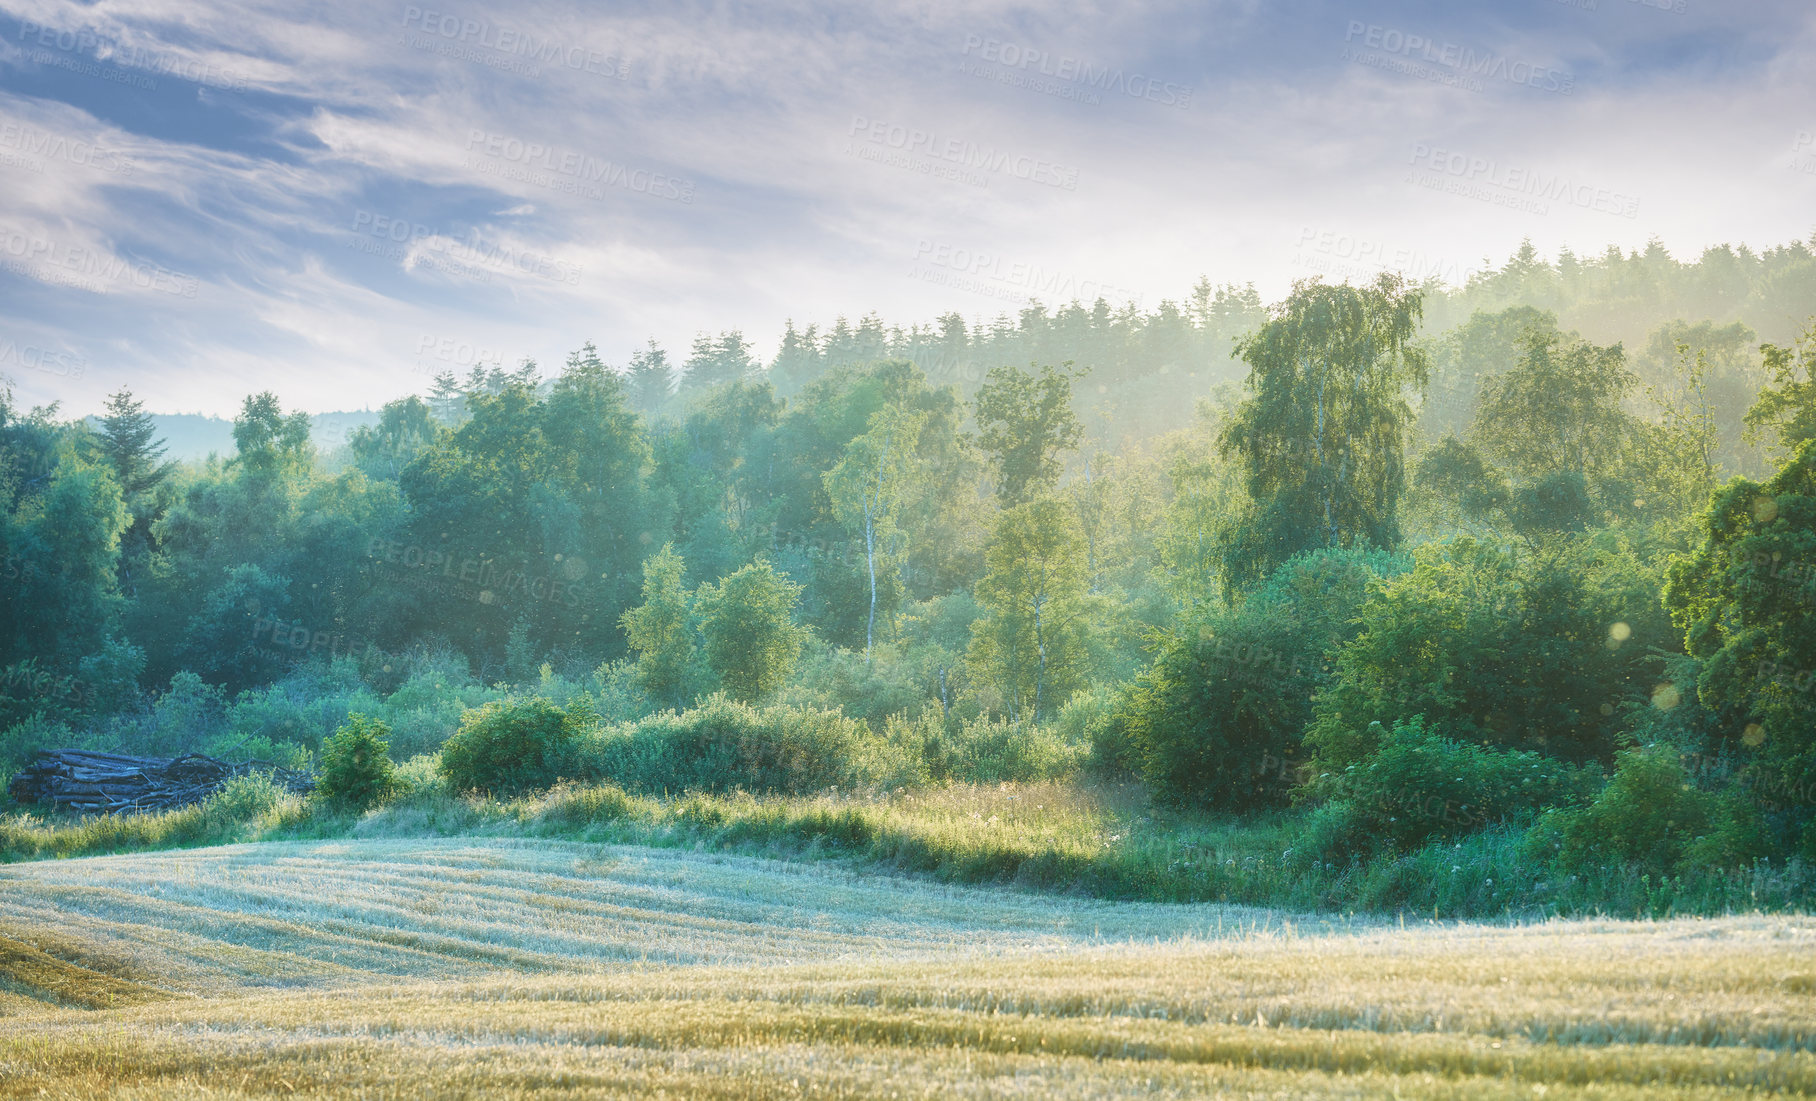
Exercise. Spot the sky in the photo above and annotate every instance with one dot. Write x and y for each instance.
(334, 201)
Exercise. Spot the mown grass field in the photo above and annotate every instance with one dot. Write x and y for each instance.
(496, 966)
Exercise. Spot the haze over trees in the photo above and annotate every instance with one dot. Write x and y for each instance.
(1400, 566)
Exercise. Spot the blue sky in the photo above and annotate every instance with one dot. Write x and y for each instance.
(333, 201)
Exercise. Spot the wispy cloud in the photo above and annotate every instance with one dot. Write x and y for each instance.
(209, 198)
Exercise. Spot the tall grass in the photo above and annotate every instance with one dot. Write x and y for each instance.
(1101, 840)
(244, 808)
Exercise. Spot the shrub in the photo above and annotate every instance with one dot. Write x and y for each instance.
(1217, 715)
(511, 746)
(725, 744)
(189, 714)
(991, 751)
(842, 680)
(1216, 720)
(420, 775)
(1418, 786)
(1088, 720)
(242, 801)
(1496, 648)
(426, 708)
(1652, 815)
(304, 708)
(356, 764)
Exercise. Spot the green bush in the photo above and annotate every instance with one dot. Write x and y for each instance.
(304, 708)
(420, 775)
(835, 679)
(1526, 652)
(189, 714)
(725, 744)
(356, 764)
(1216, 720)
(1089, 720)
(1419, 786)
(511, 746)
(992, 751)
(1651, 814)
(242, 801)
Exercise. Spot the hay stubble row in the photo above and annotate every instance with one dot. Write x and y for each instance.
(468, 967)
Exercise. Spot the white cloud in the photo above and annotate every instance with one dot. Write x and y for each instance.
(269, 192)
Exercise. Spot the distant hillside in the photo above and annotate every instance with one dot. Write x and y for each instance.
(192, 437)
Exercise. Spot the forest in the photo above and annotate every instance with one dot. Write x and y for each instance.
(1477, 599)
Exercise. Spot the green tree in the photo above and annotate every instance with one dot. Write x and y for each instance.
(1558, 410)
(1321, 434)
(1216, 719)
(1786, 406)
(661, 629)
(1746, 601)
(747, 621)
(1032, 640)
(1206, 496)
(129, 442)
(270, 442)
(1729, 381)
(59, 568)
(1025, 423)
(1466, 356)
(652, 380)
(716, 361)
(867, 488)
(1462, 486)
(356, 767)
(405, 428)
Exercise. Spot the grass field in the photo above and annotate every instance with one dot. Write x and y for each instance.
(496, 966)
(1102, 840)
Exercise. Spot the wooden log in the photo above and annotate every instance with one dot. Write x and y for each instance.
(91, 782)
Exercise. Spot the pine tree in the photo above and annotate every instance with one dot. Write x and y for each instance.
(129, 441)
(652, 380)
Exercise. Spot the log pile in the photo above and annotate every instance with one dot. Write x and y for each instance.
(109, 783)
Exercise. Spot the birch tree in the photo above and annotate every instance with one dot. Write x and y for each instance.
(1321, 434)
(867, 489)
(1031, 640)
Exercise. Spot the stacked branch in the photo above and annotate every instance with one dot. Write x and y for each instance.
(111, 783)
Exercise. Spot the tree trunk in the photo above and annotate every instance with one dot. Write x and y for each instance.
(870, 559)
